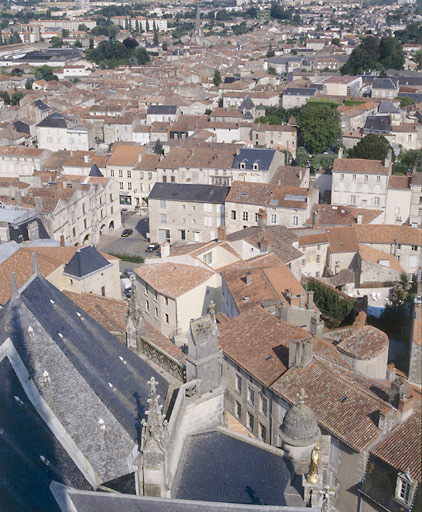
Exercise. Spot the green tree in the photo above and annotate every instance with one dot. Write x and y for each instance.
(16, 97)
(65, 32)
(371, 147)
(78, 44)
(164, 47)
(302, 157)
(91, 44)
(83, 28)
(142, 56)
(319, 127)
(56, 42)
(131, 43)
(336, 41)
(113, 30)
(5, 96)
(158, 148)
(270, 52)
(217, 78)
(391, 53)
(405, 101)
(271, 70)
(220, 102)
(28, 84)
(155, 40)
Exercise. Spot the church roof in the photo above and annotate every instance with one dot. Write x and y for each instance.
(236, 471)
(91, 376)
(85, 261)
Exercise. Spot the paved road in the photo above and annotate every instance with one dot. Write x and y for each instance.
(135, 244)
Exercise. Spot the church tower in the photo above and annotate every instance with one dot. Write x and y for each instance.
(198, 35)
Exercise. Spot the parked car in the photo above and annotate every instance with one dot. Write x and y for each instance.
(152, 247)
(128, 272)
(127, 232)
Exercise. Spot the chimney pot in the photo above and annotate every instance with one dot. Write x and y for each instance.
(62, 241)
(165, 251)
(221, 233)
(248, 278)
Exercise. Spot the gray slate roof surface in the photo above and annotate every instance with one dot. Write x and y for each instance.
(218, 467)
(247, 156)
(93, 375)
(85, 501)
(25, 478)
(85, 261)
(193, 193)
(383, 83)
(378, 123)
(54, 120)
(95, 171)
(166, 110)
(300, 91)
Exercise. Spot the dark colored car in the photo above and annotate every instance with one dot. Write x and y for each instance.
(152, 247)
(127, 232)
(128, 272)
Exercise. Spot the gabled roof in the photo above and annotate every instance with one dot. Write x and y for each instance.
(248, 157)
(162, 110)
(378, 123)
(85, 261)
(383, 83)
(55, 120)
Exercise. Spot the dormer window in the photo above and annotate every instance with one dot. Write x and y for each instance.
(242, 165)
(255, 166)
(405, 488)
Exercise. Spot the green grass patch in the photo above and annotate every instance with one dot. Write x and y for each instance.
(131, 258)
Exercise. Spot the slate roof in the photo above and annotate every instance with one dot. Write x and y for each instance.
(262, 157)
(378, 124)
(85, 261)
(86, 501)
(93, 375)
(388, 107)
(193, 193)
(251, 475)
(299, 91)
(383, 83)
(166, 110)
(41, 105)
(24, 439)
(95, 171)
(54, 120)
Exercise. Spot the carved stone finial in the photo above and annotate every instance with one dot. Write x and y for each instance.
(154, 427)
(301, 396)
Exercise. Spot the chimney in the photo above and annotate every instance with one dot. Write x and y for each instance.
(391, 372)
(295, 301)
(302, 300)
(398, 390)
(301, 352)
(165, 251)
(262, 218)
(38, 203)
(384, 421)
(405, 407)
(315, 219)
(317, 325)
(300, 174)
(62, 241)
(359, 218)
(310, 300)
(86, 159)
(248, 278)
(264, 245)
(340, 152)
(221, 230)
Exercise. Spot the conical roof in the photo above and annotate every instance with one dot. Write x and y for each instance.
(95, 171)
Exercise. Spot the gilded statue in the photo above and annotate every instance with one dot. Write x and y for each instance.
(312, 477)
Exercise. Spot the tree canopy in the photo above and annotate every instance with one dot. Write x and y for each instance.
(374, 54)
(371, 147)
(319, 127)
(217, 78)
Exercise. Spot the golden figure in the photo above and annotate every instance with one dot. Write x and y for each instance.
(312, 477)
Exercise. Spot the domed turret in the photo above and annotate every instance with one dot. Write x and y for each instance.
(299, 430)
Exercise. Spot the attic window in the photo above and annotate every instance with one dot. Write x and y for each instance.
(343, 399)
(255, 166)
(244, 194)
(267, 357)
(242, 165)
(246, 299)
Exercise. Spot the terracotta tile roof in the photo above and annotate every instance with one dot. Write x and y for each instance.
(154, 335)
(359, 165)
(148, 163)
(287, 176)
(173, 279)
(402, 448)
(125, 154)
(387, 234)
(375, 256)
(313, 239)
(338, 215)
(341, 407)
(110, 313)
(364, 343)
(342, 239)
(21, 151)
(399, 182)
